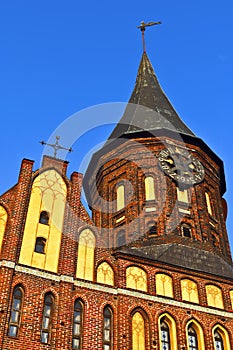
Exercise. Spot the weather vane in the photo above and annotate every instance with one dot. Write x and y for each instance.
(142, 27)
(56, 146)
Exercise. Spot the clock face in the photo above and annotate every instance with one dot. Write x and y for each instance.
(181, 165)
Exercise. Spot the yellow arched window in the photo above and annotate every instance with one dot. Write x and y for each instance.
(120, 197)
(149, 188)
(45, 221)
(221, 338)
(208, 203)
(167, 333)
(86, 249)
(136, 278)
(231, 296)
(214, 296)
(138, 332)
(189, 291)
(195, 336)
(164, 285)
(105, 274)
(3, 220)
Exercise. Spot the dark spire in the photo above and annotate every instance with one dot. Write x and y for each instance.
(159, 112)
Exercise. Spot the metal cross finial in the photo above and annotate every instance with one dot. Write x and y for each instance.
(142, 27)
(56, 146)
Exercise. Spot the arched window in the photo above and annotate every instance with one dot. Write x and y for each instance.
(3, 220)
(208, 203)
(40, 245)
(108, 329)
(164, 285)
(214, 296)
(44, 218)
(167, 333)
(165, 336)
(149, 188)
(120, 197)
(221, 338)
(77, 325)
(136, 278)
(16, 312)
(86, 250)
(218, 341)
(186, 230)
(47, 318)
(105, 274)
(121, 238)
(189, 291)
(152, 228)
(138, 332)
(195, 336)
(192, 339)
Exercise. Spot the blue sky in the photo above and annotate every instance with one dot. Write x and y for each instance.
(57, 58)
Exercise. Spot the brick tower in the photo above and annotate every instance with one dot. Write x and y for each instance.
(152, 269)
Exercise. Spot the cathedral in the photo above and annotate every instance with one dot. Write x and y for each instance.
(150, 269)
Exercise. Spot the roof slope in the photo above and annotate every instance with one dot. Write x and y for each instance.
(159, 112)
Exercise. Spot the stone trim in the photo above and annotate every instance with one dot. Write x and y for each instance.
(115, 291)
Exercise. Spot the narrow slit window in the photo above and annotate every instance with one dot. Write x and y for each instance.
(77, 325)
(208, 203)
(40, 245)
(107, 329)
(186, 231)
(47, 318)
(16, 312)
(120, 197)
(152, 228)
(218, 341)
(165, 336)
(149, 188)
(44, 218)
(192, 339)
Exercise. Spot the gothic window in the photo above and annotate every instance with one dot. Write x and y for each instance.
(3, 220)
(165, 336)
(149, 188)
(167, 333)
(221, 338)
(189, 291)
(218, 341)
(192, 339)
(86, 250)
(136, 278)
(138, 332)
(44, 218)
(105, 274)
(16, 312)
(77, 325)
(195, 336)
(40, 245)
(46, 205)
(208, 203)
(214, 296)
(164, 285)
(152, 228)
(47, 318)
(108, 329)
(120, 197)
(182, 196)
(120, 238)
(186, 230)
